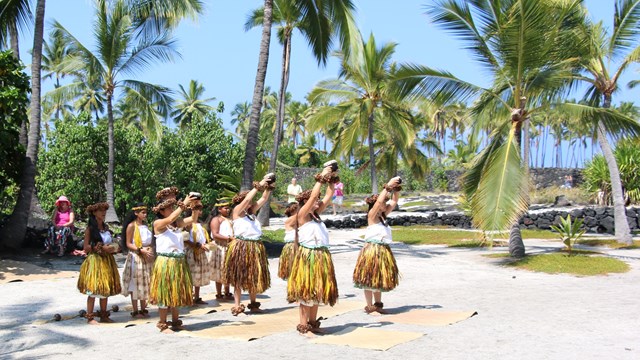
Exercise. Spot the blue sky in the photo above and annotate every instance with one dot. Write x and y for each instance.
(221, 55)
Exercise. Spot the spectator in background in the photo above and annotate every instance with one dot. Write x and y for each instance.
(60, 231)
(338, 197)
(293, 190)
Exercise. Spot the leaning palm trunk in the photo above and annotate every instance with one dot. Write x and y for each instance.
(111, 212)
(372, 160)
(622, 231)
(248, 167)
(263, 216)
(14, 232)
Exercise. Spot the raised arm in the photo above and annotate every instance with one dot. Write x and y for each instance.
(262, 200)
(238, 210)
(315, 193)
(392, 204)
(160, 225)
(327, 197)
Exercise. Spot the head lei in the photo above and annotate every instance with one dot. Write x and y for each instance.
(139, 208)
(303, 197)
(97, 206)
(239, 197)
(222, 202)
(166, 197)
(373, 198)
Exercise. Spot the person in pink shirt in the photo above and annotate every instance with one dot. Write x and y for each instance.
(338, 197)
(59, 232)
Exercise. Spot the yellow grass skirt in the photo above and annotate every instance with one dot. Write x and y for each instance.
(376, 268)
(313, 277)
(171, 284)
(246, 266)
(286, 258)
(99, 276)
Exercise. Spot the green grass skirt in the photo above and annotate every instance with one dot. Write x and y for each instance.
(99, 275)
(286, 258)
(376, 268)
(171, 284)
(313, 277)
(246, 266)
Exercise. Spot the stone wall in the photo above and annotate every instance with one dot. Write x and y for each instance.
(596, 219)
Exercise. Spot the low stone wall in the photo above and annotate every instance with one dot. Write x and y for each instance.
(596, 219)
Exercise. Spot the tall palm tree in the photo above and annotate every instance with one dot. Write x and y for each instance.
(192, 106)
(366, 99)
(610, 56)
(529, 48)
(240, 115)
(323, 16)
(13, 234)
(118, 52)
(297, 121)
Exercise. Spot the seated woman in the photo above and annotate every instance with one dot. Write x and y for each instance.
(59, 232)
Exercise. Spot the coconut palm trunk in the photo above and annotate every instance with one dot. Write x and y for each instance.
(622, 231)
(15, 48)
(263, 216)
(111, 215)
(13, 234)
(372, 160)
(248, 167)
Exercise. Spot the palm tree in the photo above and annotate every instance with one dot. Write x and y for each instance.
(320, 15)
(365, 96)
(14, 232)
(192, 106)
(297, 120)
(118, 52)
(610, 56)
(240, 115)
(529, 49)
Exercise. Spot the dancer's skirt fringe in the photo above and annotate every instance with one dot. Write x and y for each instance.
(246, 266)
(199, 266)
(171, 284)
(376, 268)
(286, 259)
(313, 277)
(140, 272)
(99, 275)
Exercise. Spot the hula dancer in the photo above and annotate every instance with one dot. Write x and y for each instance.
(246, 266)
(136, 277)
(196, 252)
(312, 280)
(286, 256)
(99, 276)
(376, 268)
(171, 284)
(221, 232)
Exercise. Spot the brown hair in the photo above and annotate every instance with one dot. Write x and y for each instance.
(292, 209)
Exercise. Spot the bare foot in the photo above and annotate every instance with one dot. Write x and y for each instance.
(92, 322)
(167, 331)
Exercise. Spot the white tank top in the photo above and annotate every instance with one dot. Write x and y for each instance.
(170, 242)
(289, 235)
(145, 235)
(226, 227)
(200, 234)
(313, 234)
(246, 228)
(106, 237)
(378, 232)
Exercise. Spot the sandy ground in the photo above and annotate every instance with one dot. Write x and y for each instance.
(521, 315)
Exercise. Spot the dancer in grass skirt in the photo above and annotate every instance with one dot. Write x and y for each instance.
(312, 280)
(99, 276)
(136, 276)
(171, 285)
(376, 269)
(246, 266)
(286, 256)
(222, 233)
(196, 250)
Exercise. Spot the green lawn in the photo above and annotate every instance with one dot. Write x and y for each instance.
(562, 263)
(430, 235)
(273, 235)
(610, 243)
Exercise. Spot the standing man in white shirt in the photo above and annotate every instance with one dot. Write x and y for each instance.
(293, 189)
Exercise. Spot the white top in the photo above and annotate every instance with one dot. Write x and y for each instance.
(378, 232)
(246, 228)
(106, 237)
(289, 235)
(145, 235)
(226, 228)
(293, 190)
(200, 232)
(170, 241)
(313, 234)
